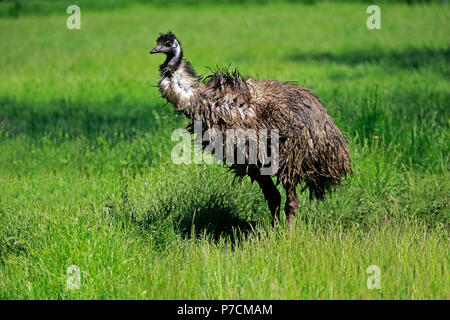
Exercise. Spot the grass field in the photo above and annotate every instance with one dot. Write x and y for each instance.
(86, 176)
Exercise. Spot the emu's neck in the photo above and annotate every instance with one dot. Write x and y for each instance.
(172, 63)
(178, 83)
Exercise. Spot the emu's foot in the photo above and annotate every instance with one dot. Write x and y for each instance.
(275, 214)
(291, 205)
(290, 219)
(275, 220)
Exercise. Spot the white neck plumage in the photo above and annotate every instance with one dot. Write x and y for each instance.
(178, 82)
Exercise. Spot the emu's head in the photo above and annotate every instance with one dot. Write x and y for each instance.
(167, 44)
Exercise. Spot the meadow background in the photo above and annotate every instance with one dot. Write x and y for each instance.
(86, 176)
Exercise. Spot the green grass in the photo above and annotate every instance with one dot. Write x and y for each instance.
(86, 176)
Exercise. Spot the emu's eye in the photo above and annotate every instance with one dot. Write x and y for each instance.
(168, 44)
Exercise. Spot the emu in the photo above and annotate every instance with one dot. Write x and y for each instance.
(312, 150)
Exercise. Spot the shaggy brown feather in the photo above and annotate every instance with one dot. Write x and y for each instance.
(313, 150)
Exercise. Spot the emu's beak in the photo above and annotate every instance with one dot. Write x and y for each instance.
(156, 50)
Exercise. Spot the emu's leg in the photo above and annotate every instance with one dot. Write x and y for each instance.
(271, 194)
(291, 205)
